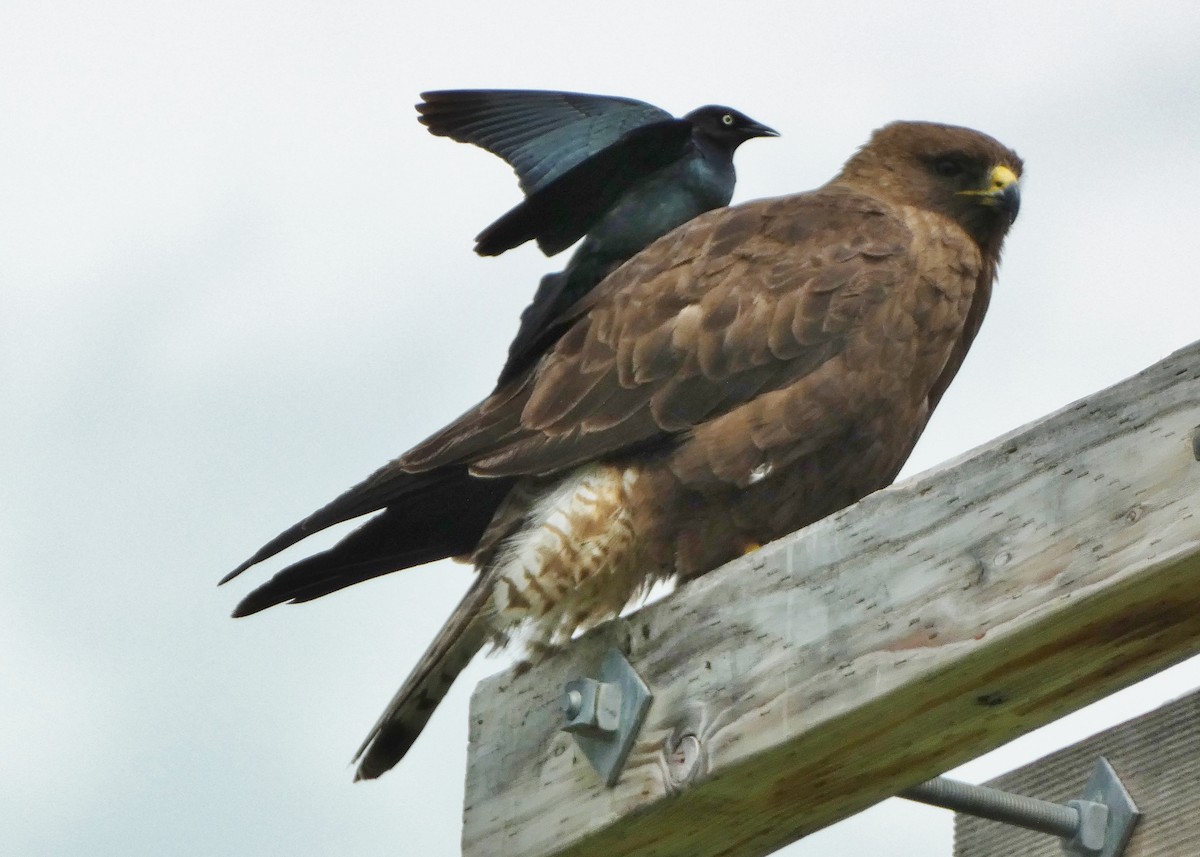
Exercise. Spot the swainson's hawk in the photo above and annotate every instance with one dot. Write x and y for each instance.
(756, 369)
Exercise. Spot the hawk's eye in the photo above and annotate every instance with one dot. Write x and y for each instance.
(727, 119)
(948, 167)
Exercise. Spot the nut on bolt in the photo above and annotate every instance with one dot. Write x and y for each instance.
(591, 707)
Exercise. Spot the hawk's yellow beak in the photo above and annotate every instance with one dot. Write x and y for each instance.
(1003, 191)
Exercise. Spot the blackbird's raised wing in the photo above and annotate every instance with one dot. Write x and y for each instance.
(541, 134)
(564, 209)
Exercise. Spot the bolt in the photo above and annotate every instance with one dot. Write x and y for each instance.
(571, 703)
(591, 707)
(1093, 826)
(986, 802)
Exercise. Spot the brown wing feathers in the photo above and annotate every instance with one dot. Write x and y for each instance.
(669, 351)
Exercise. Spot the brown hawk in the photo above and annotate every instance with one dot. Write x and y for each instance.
(747, 374)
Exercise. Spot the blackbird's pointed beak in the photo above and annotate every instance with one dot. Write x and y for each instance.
(757, 129)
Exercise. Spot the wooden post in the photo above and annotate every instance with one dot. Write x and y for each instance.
(1157, 757)
(929, 623)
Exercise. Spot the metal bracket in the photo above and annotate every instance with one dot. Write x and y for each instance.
(1098, 824)
(605, 715)
(1105, 787)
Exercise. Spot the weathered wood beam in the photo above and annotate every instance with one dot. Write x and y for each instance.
(926, 625)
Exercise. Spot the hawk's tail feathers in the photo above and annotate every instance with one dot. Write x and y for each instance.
(410, 709)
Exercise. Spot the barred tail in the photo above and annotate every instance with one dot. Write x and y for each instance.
(410, 709)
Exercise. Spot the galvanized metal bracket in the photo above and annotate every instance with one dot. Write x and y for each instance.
(605, 714)
(1098, 824)
(1108, 839)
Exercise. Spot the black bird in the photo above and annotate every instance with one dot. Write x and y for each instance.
(617, 172)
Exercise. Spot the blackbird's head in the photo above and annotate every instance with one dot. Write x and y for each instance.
(725, 126)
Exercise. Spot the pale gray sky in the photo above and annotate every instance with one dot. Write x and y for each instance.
(237, 277)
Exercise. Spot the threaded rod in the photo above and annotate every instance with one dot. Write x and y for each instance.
(1028, 812)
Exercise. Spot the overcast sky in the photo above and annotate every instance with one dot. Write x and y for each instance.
(237, 276)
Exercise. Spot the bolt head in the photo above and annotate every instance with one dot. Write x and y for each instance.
(571, 703)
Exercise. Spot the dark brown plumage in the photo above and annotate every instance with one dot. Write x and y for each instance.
(745, 375)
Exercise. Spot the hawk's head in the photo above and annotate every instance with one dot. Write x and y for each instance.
(968, 176)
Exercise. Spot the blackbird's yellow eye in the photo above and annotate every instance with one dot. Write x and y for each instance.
(727, 119)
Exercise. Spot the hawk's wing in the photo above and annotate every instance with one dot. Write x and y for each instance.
(707, 321)
(729, 334)
(541, 134)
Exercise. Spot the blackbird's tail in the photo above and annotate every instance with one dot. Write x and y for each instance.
(427, 516)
